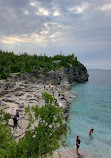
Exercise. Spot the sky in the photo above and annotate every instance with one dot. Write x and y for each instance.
(51, 27)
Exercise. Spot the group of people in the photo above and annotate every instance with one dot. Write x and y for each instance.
(15, 120)
(78, 141)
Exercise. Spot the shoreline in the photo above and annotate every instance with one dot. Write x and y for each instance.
(69, 153)
(16, 94)
(22, 93)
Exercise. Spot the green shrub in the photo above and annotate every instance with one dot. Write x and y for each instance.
(18, 75)
(4, 75)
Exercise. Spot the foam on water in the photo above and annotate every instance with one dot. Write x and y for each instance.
(92, 109)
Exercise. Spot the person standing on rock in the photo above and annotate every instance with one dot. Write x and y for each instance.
(77, 144)
(59, 94)
(17, 114)
(49, 85)
(44, 87)
(52, 90)
(15, 122)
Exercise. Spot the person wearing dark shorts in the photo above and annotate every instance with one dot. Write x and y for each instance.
(77, 144)
(15, 122)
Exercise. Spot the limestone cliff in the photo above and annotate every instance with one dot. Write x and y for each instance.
(69, 75)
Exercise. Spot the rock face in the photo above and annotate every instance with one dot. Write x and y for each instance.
(69, 75)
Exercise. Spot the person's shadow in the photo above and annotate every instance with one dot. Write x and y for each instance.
(80, 156)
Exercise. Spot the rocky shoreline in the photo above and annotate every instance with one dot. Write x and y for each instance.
(23, 89)
(19, 92)
(69, 153)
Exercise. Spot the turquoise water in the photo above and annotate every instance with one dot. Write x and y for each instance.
(92, 109)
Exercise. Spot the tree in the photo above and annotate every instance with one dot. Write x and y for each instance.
(40, 142)
(46, 137)
(4, 117)
(5, 134)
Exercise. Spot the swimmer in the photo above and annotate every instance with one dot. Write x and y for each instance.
(91, 131)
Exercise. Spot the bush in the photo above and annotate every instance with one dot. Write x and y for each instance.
(43, 140)
(4, 75)
(18, 75)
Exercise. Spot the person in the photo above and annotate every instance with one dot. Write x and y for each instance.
(77, 144)
(52, 90)
(91, 131)
(55, 101)
(15, 122)
(59, 94)
(17, 114)
(44, 87)
(62, 96)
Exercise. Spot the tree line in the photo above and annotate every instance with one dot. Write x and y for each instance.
(12, 63)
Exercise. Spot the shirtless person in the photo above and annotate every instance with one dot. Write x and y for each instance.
(91, 131)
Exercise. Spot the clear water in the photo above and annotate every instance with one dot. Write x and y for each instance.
(92, 109)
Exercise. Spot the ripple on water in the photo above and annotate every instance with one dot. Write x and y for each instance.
(92, 109)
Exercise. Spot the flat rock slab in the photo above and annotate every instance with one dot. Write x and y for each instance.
(22, 95)
(69, 153)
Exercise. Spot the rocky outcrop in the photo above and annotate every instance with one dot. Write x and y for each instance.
(69, 75)
(26, 92)
(26, 89)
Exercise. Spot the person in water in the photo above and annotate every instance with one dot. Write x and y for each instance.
(77, 144)
(91, 131)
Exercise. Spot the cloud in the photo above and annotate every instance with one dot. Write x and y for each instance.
(51, 32)
(23, 39)
(106, 7)
(26, 12)
(79, 9)
(42, 11)
(56, 13)
(33, 4)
